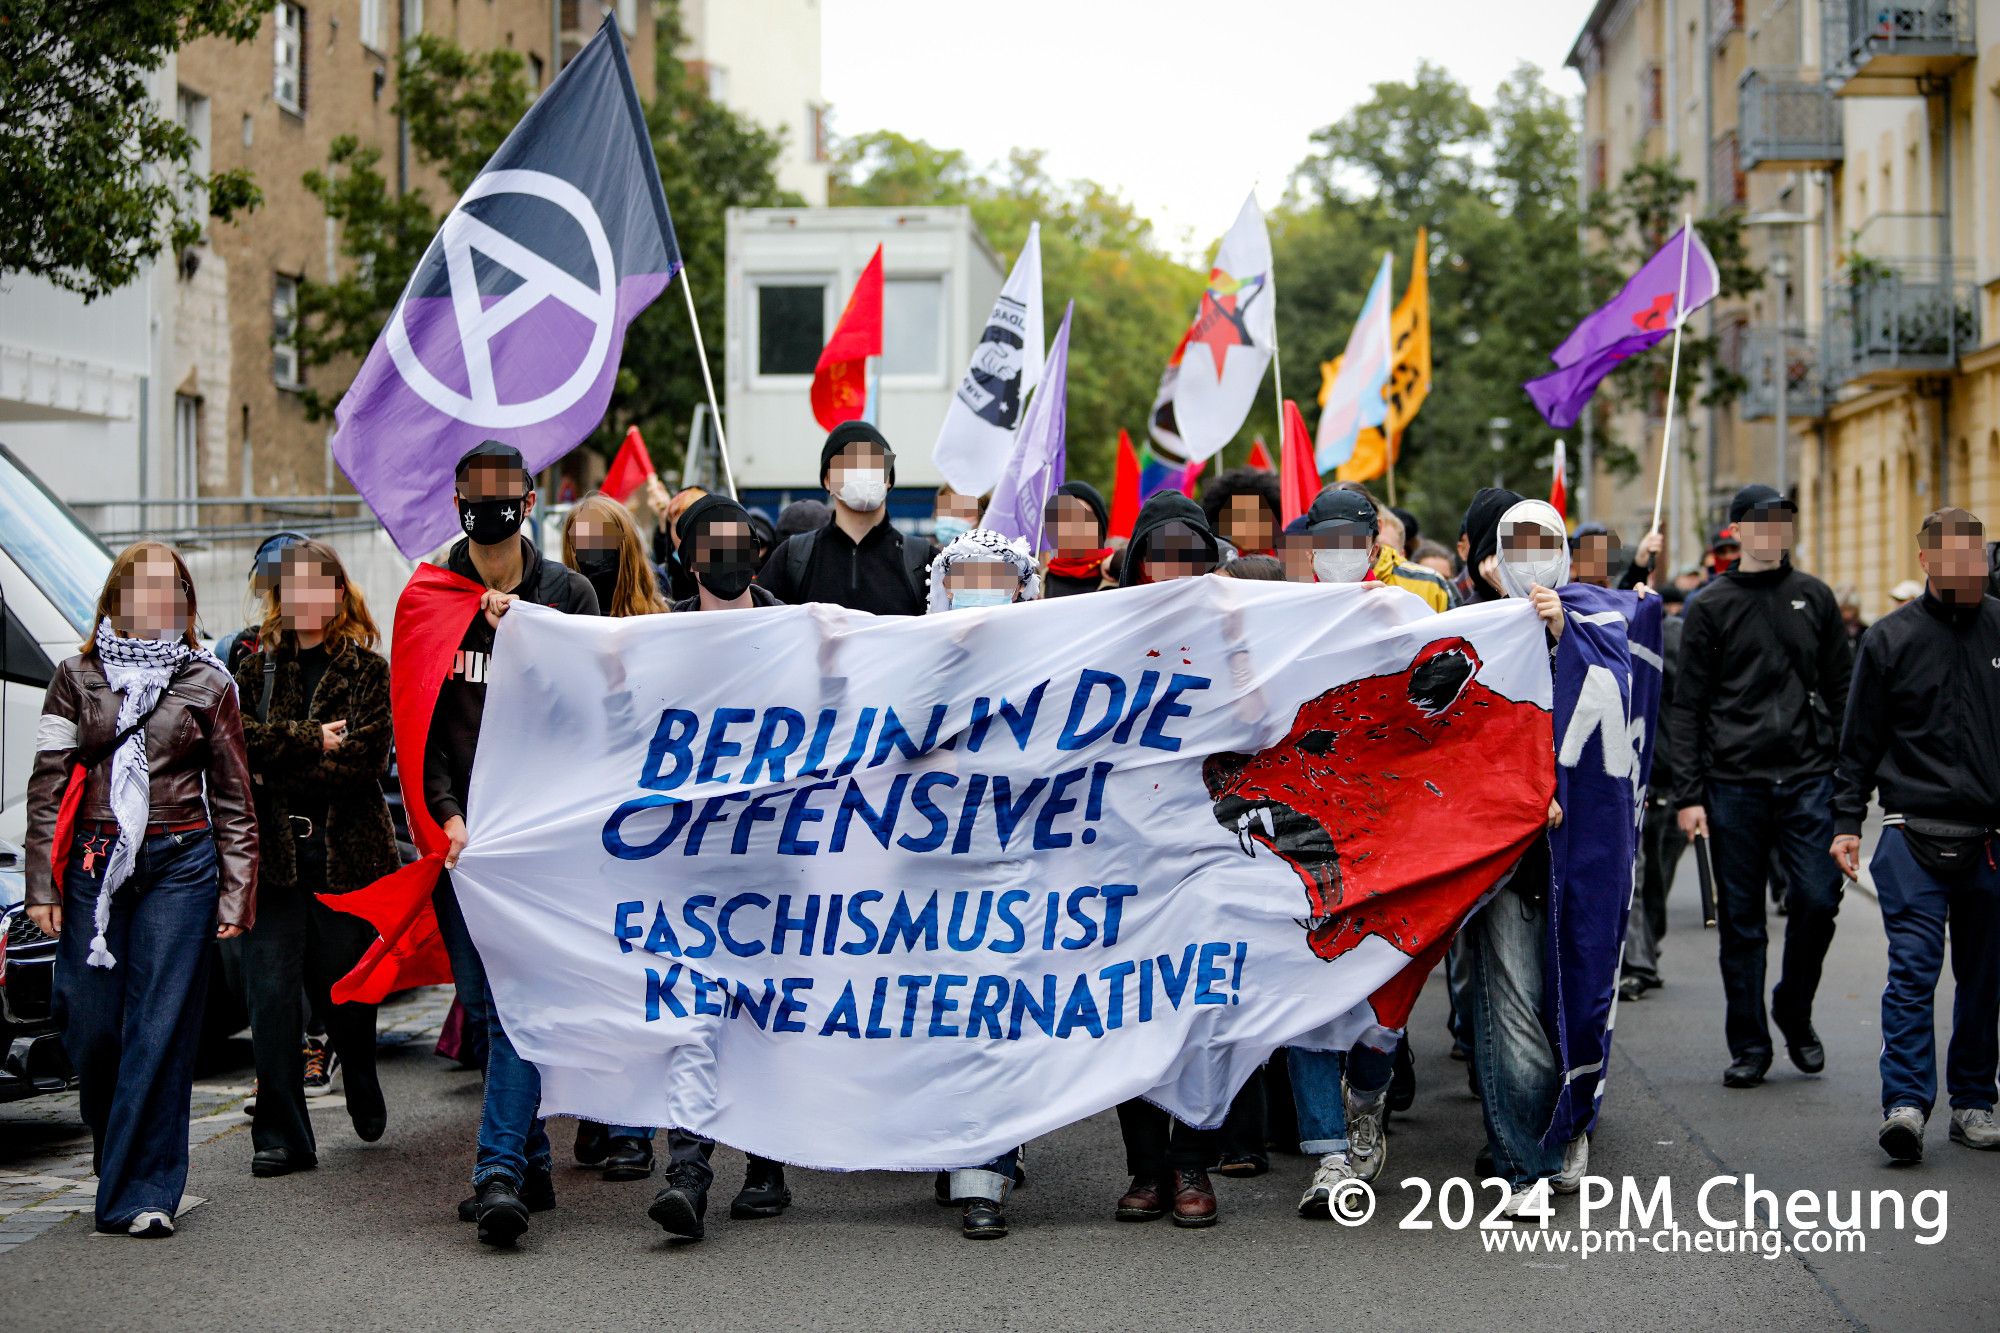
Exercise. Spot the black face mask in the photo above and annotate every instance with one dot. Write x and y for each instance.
(597, 564)
(490, 522)
(727, 578)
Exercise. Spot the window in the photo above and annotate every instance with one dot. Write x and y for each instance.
(192, 111)
(187, 446)
(791, 327)
(288, 60)
(815, 132)
(913, 326)
(284, 331)
(371, 25)
(718, 83)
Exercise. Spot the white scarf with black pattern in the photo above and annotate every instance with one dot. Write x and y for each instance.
(137, 669)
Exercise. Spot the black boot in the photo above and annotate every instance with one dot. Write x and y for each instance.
(280, 1162)
(681, 1204)
(1746, 1071)
(1802, 1043)
(1403, 1079)
(983, 1220)
(538, 1191)
(502, 1216)
(763, 1193)
(366, 1108)
(593, 1141)
(630, 1158)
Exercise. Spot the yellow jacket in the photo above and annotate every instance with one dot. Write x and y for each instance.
(1392, 569)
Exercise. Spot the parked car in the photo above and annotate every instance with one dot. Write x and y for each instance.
(31, 1053)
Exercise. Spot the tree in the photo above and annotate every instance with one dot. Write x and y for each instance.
(460, 106)
(1132, 301)
(93, 180)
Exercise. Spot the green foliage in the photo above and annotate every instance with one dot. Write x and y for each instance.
(461, 105)
(1132, 301)
(93, 181)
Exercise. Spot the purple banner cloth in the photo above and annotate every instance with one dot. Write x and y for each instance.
(1040, 460)
(512, 325)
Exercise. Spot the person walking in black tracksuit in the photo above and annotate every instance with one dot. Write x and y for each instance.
(1754, 731)
(1925, 709)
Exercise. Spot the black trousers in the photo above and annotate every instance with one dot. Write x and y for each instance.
(1157, 1145)
(300, 946)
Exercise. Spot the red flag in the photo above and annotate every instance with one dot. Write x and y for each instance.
(840, 381)
(1298, 475)
(629, 469)
(1559, 482)
(431, 618)
(1191, 479)
(1125, 493)
(1260, 457)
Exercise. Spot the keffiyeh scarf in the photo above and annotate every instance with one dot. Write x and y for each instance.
(983, 545)
(137, 670)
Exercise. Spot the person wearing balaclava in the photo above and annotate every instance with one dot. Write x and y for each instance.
(1076, 521)
(1479, 545)
(494, 494)
(859, 560)
(1754, 729)
(717, 540)
(1514, 1066)
(1171, 539)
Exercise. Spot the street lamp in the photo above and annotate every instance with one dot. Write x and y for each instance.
(1496, 435)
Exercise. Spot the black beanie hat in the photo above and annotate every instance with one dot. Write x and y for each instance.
(1482, 522)
(710, 508)
(853, 432)
(1088, 493)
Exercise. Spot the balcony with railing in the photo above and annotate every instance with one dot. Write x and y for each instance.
(1762, 353)
(1899, 309)
(1880, 46)
(1787, 121)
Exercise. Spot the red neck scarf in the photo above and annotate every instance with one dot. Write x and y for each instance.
(1087, 566)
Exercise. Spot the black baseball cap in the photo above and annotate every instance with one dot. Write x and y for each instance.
(1337, 510)
(1757, 497)
(496, 450)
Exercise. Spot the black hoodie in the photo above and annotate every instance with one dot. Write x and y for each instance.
(461, 699)
(1156, 513)
(1482, 530)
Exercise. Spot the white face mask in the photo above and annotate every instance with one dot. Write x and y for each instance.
(1549, 572)
(949, 529)
(864, 489)
(966, 599)
(1340, 564)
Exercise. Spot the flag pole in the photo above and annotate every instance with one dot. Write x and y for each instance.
(708, 382)
(1389, 443)
(1673, 372)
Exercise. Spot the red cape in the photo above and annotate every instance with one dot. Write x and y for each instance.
(432, 616)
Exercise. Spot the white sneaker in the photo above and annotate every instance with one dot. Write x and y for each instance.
(1529, 1204)
(151, 1225)
(1902, 1133)
(1367, 1140)
(1334, 1170)
(1576, 1165)
(1975, 1127)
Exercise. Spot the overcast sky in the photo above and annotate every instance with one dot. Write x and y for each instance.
(1179, 105)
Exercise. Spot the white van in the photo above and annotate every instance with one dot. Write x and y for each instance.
(51, 570)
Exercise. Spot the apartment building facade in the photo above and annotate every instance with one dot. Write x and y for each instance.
(1861, 142)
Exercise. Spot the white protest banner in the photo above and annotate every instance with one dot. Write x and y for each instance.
(903, 893)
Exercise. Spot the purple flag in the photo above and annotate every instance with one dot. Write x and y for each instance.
(512, 325)
(1639, 317)
(1041, 456)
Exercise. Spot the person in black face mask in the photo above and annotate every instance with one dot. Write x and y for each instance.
(715, 537)
(601, 542)
(495, 495)
(1479, 545)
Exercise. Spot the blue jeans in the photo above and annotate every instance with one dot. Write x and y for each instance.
(1915, 907)
(132, 1030)
(512, 1136)
(1316, 1091)
(1519, 1077)
(1747, 820)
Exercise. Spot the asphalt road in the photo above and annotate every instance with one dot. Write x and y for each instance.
(369, 1240)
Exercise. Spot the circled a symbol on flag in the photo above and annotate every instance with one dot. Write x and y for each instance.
(477, 323)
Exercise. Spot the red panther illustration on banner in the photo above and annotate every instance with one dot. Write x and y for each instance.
(1391, 799)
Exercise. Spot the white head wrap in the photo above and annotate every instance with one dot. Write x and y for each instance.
(1552, 570)
(983, 545)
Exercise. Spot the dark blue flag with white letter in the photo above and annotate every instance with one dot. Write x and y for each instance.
(512, 325)
(1607, 697)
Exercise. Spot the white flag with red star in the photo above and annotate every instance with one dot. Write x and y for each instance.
(1231, 341)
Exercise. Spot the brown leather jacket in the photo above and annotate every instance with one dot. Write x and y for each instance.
(194, 743)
